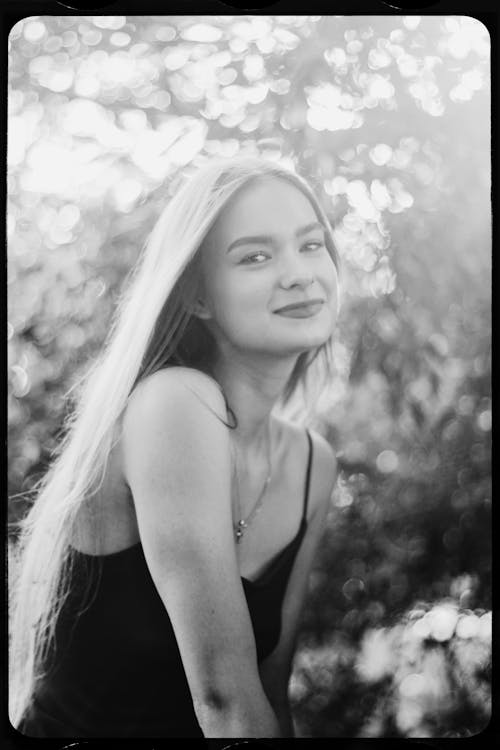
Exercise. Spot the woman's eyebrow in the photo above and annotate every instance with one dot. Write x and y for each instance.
(309, 228)
(258, 239)
(266, 239)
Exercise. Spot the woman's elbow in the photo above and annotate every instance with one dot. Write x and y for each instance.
(238, 713)
(211, 701)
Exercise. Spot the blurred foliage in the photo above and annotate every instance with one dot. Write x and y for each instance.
(427, 676)
(388, 118)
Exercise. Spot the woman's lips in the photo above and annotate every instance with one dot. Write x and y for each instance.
(301, 310)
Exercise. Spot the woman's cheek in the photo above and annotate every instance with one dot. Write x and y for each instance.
(333, 278)
(231, 304)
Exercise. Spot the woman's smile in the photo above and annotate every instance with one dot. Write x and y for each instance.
(306, 309)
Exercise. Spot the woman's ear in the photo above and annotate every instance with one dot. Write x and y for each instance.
(200, 310)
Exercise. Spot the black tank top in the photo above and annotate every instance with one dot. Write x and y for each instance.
(116, 669)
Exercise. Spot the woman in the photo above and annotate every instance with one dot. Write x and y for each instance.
(165, 560)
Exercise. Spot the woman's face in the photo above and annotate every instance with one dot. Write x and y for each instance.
(269, 283)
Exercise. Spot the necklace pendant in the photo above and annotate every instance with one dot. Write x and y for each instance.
(242, 524)
(239, 529)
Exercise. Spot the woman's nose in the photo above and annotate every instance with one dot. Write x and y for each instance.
(295, 272)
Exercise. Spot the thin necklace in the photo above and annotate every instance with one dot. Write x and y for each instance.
(243, 523)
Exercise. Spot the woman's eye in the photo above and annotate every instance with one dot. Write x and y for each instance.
(254, 258)
(313, 245)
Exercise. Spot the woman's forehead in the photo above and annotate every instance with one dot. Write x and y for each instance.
(264, 206)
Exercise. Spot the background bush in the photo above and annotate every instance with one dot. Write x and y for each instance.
(388, 117)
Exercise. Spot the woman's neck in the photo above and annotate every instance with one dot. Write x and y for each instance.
(252, 389)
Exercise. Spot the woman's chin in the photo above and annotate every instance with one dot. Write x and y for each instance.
(310, 339)
(302, 344)
(285, 343)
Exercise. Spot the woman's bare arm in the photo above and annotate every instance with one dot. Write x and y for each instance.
(275, 669)
(177, 463)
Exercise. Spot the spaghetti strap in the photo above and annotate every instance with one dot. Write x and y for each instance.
(308, 477)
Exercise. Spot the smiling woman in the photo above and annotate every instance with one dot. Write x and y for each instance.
(255, 283)
(165, 561)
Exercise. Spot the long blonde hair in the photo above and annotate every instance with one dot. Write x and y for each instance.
(152, 328)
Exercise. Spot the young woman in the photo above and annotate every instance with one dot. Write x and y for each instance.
(165, 560)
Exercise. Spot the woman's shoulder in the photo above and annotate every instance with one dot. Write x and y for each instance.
(176, 387)
(323, 450)
(174, 417)
(323, 460)
(326, 461)
(323, 473)
(324, 455)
